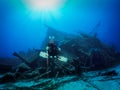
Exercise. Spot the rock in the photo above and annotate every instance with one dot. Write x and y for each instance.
(32, 74)
(5, 68)
(22, 68)
(110, 73)
(9, 77)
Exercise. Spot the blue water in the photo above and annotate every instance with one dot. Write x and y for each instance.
(21, 28)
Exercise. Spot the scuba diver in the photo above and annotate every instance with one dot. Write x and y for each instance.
(53, 51)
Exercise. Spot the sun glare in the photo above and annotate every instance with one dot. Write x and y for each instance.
(44, 5)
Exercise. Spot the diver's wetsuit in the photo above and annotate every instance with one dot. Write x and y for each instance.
(53, 52)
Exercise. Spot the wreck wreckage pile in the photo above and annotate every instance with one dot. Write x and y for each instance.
(84, 53)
